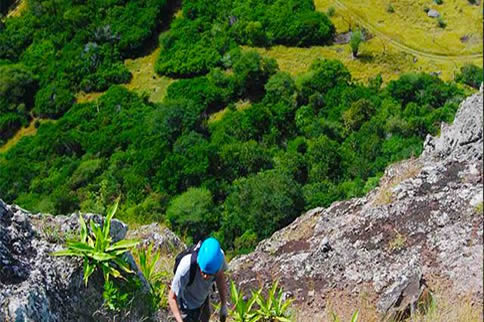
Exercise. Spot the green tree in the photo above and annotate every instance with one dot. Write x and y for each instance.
(355, 41)
(471, 75)
(252, 72)
(193, 213)
(262, 204)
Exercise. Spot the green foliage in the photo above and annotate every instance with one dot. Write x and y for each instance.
(243, 311)
(272, 307)
(252, 72)
(262, 204)
(439, 2)
(331, 11)
(74, 45)
(355, 41)
(206, 35)
(423, 89)
(280, 87)
(193, 213)
(283, 145)
(359, 113)
(471, 75)
(17, 89)
(322, 76)
(149, 266)
(390, 8)
(97, 249)
(246, 243)
(441, 22)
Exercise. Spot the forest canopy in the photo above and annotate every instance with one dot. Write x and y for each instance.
(299, 144)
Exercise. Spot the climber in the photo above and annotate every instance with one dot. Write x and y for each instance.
(195, 271)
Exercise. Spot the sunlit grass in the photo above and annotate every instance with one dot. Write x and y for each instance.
(144, 81)
(24, 131)
(375, 57)
(239, 106)
(405, 41)
(410, 25)
(17, 11)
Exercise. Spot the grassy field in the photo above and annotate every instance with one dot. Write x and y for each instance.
(405, 40)
(409, 24)
(144, 80)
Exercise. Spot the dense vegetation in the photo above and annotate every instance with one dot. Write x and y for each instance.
(58, 47)
(301, 143)
(471, 75)
(203, 37)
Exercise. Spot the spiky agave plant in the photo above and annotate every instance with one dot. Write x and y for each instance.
(97, 249)
(242, 311)
(273, 307)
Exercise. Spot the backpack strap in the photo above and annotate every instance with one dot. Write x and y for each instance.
(193, 267)
(193, 263)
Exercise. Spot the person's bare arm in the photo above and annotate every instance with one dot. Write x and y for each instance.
(220, 280)
(222, 290)
(174, 306)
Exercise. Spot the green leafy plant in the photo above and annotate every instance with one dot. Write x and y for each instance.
(331, 11)
(242, 311)
(355, 41)
(273, 307)
(148, 263)
(97, 249)
(441, 22)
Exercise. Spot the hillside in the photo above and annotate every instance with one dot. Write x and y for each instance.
(415, 239)
(420, 231)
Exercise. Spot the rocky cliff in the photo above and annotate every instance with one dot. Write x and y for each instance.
(420, 231)
(37, 287)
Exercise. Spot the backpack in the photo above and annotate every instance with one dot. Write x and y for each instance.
(193, 252)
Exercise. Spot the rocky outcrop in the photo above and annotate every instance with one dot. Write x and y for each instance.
(419, 231)
(35, 286)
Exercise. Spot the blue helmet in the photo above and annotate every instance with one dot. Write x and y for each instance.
(210, 256)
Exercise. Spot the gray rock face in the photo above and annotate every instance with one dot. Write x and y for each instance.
(421, 228)
(432, 13)
(35, 286)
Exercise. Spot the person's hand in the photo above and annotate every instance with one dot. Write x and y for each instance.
(223, 313)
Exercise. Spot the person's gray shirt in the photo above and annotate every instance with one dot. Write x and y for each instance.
(193, 296)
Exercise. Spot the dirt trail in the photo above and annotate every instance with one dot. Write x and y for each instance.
(403, 47)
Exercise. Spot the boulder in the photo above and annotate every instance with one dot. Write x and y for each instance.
(432, 13)
(36, 286)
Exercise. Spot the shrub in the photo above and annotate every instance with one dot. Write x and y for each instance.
(441, 22)
(356, 39)
(331, 11)
(390, 8)
(53, 100)
(471, 75)
(193, 213)
(262, 203)
(149, 265)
